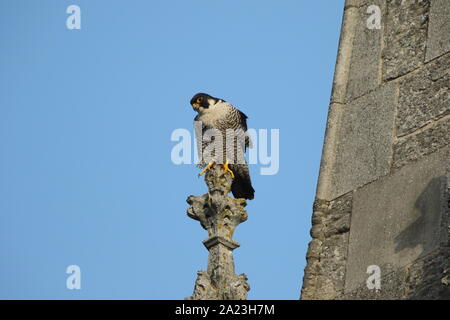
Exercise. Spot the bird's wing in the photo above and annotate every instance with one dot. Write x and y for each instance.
(243, 124)
(199, 130)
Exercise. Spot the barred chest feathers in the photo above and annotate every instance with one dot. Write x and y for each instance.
(215, 114)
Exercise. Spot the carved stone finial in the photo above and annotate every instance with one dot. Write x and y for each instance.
(219, 214)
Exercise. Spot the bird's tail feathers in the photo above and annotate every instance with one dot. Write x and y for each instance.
(242, 185)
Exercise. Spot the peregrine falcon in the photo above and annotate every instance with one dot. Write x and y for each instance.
(230, 125)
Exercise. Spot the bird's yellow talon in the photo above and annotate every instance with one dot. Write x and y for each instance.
(226, 169)
(209, 166)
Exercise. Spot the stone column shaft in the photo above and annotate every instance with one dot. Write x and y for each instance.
(219, 214)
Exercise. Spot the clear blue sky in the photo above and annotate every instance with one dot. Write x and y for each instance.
(86, 116)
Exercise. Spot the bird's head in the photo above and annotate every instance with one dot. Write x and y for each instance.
(202, 101)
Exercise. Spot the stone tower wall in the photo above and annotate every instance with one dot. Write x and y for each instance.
(382, 195)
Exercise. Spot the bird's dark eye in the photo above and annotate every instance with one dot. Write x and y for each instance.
(199, 100)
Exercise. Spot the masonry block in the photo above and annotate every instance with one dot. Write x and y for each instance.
(438, 29)
(366, 54)
(406, 36)
(327, 252)
(364, 144)
(424, 279)
(424, 95)
(421, 144)
(398, 219)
